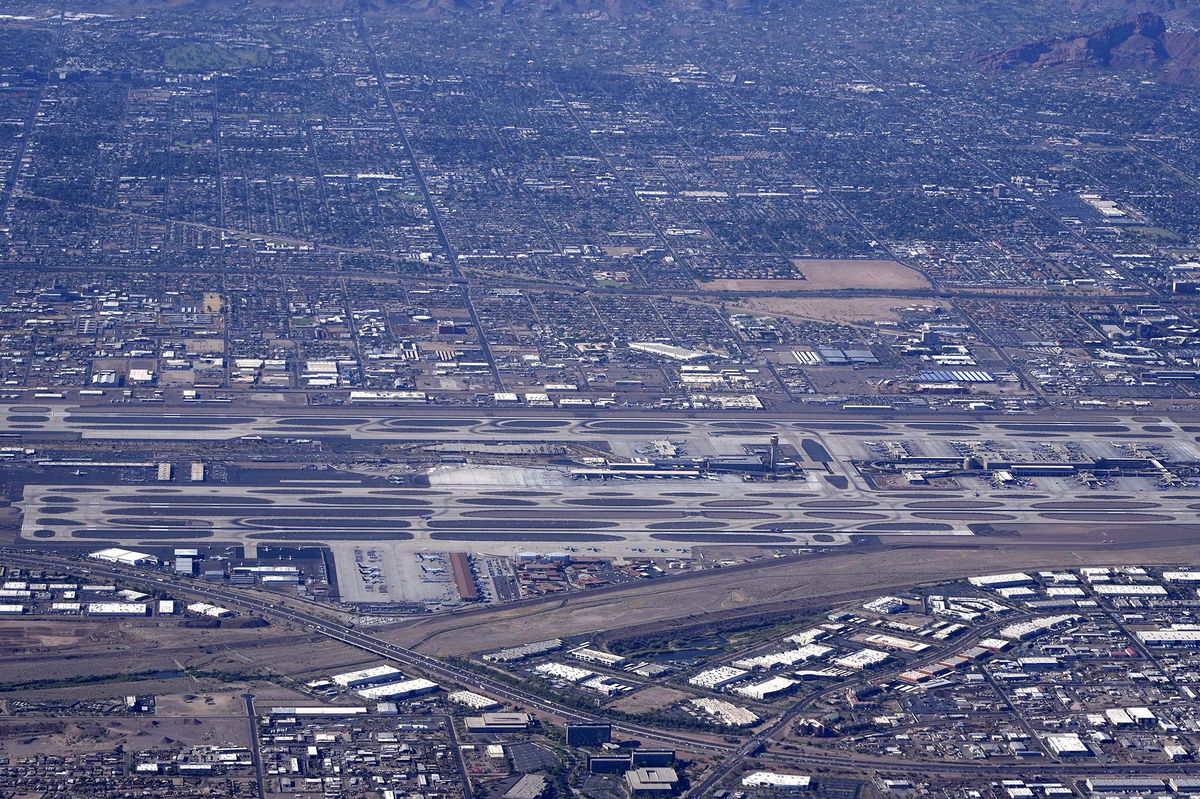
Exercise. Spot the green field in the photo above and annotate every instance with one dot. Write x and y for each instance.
(211, 57)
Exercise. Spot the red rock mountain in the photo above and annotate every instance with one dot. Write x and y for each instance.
(1141, 42)
(604, 8)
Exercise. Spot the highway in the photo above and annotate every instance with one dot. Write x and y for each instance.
(731, 754)
(355, 638)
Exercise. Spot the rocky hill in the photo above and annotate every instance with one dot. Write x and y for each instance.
(1166, 8)
(1141, 42)
(613, 9)
(606, 8)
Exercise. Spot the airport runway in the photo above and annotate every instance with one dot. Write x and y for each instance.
(141, 423)
(840, 437)
(506, 510)
(475, 507)
(541, 506)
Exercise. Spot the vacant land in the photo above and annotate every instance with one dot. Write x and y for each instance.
(77, 659)
(214, 302)
(833, 273)
(208, 56)
(806, 582)
(30, 735)
(20, 635)
(648, 699)
(829, 309)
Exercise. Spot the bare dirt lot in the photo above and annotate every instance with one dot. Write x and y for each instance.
(805, 582)
(19, 635)
(79, 659)
(649, 699)
(213, 302)
(29, 735)
(833, 273)
(200, 704)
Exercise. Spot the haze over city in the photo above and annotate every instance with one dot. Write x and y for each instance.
(531, 399)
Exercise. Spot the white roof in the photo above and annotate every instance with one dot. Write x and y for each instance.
(726, 712)
(398, 689)
(1066, 743)
(668, 350)
(862, 659)
(373, 673)
(1116, 589)
(116, 607)
(1156, 636)
(472, 700)
(1011, 578)
(563, 671)
(787, 658)
(1182, 577)
(771, 779)
(118, 555)
(714, 677)
(1025, 629)
(765, 688)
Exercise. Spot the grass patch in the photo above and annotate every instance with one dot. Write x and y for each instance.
(222, 675)
(725, 634)
(212, 57)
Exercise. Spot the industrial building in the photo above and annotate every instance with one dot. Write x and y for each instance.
(788, 657)
(498, 723)
(715, 679)
(596, 656)
(777, 781)
(1067, 745)
(1106, 785)
(1170, 637)
(125, 557)
(561, 671)
(205, 609)
(767, 689)
(862, 659)
(375, 675)
(1025, 630)
(118, 609)
(1001, 580)
(525, 651)
(472, 700)
(405, 689)
(885, 605)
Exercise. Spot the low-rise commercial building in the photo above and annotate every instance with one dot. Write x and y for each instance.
(651, 782)
(498, 722)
